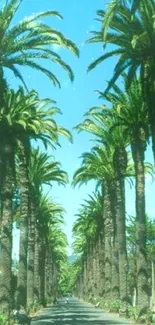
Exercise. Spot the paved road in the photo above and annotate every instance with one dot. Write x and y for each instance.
(76, 313)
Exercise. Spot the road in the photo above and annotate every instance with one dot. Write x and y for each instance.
(76, 313)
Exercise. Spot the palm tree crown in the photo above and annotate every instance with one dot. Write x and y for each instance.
(129, 26)
(29, 40)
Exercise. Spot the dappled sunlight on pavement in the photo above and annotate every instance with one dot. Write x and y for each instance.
(75, 313)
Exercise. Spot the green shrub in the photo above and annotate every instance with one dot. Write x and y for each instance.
(3, 319)
(149, 316)
(133, 312)
(115, 305)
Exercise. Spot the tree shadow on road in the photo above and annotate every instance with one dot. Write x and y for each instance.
(74, 314)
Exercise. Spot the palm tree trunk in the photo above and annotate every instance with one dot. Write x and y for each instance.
(108, 237)
(50, 262)
(94, 275)
(89, 284)
(47, 270)
(48, 274)
(138, 150)
(36, 265)
(24, 215)
(115, 270)
(31, 245)
(55, 279)
(120, 219)
(92, 268)
(120, 164)
(85, 277)
(97, 269)
(6, 241)
(115, 250)
(42, 272)
(102, 267)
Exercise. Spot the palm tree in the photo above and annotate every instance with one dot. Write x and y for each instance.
(94, 209)
(58, 243)
(123, 28)
(131, 113)
(129, 26)
(29, 40)
(131, 242)
(41, 171)
(97, 165)
(81, 245)
(23, 117)
(49, 215)
(99, 125)
(45, 129)
(7, 191)
(87, 231)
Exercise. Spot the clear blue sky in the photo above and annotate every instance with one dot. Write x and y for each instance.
(74, 99)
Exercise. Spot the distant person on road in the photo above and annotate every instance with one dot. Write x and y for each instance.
(21, 318)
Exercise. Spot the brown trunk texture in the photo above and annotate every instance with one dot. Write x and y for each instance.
(142, 269)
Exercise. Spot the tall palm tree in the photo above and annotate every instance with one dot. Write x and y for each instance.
(44, 128)
(82, 231)
(22, 117)
(94, 208)
(6, 196)
(98, 165)
(87, 230)
(98, 124)
(49, 215)
(131, 113)
(56, 249)
(41, 171)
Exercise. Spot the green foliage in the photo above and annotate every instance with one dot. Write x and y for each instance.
(43, 169)
(128, 111)
(67, 278)
(115, 305)
(29, 40)
(89, 223)
(96, 165)
(131, 32)
(63, 285)
(133, 312)
(3, 320)
(149, 315)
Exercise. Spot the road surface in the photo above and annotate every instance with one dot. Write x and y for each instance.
(76, 313)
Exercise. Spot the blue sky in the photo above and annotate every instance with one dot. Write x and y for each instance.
(74, 99)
